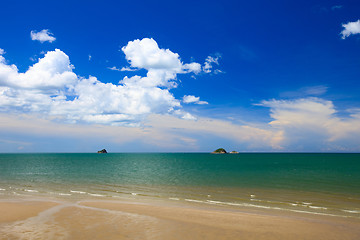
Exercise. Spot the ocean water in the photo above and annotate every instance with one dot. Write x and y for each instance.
(315, 183)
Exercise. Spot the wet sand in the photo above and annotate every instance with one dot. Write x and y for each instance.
(147, 220)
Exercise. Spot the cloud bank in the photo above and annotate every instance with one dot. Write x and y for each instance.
(313, 124)
(298, 125)
(43, 36)
(52, 89)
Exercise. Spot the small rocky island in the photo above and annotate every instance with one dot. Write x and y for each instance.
(102, 151)
(223, 151)
(219, 151)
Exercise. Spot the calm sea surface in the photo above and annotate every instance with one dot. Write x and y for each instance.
(314, 183)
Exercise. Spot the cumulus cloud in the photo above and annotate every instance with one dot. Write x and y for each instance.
(51, 88)
(163, 63)
(193, 99)
(43, 36)
(350, 28)
(312, 124)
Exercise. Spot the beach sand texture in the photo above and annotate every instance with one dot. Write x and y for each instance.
(121, 220)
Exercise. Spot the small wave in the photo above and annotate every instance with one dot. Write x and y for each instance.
(214, 202)
(96, 195)
(306, 203)
(30, 190)
(80, 192)
(64, 194)
(350, 211)
(2, 189)
(193, 200)
(316, 207)
(176, 199)
(252, 196)
(134, 194)
(240, 204)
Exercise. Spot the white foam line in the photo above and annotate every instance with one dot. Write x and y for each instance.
(80, 192)
(214, 202)
(96, 195)
(267, 207)
(192, 200)
(176, 199)
(64, 194)
(2, 189)
(134, 194)
(350, 211)
(30, 190)
(318, 207)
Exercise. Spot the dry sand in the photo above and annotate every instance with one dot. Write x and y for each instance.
(121, 220)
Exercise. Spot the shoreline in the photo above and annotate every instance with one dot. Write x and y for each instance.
(287, 201)
(129, 219)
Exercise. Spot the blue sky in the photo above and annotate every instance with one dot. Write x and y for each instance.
(173, 76)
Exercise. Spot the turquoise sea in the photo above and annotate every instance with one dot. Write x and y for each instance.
(317, 183)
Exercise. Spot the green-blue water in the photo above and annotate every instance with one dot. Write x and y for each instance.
(318, 183)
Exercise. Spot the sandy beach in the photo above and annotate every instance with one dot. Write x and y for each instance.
(25, 219)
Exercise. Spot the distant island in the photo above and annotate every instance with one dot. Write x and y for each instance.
(223, 151)
(102, 151)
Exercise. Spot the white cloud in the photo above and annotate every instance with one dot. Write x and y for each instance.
(127, 69)
(162, 64)
(193, 99)
(43, 36)
(123, 69)
(209, 62)
(90, 57)
(146, 54)
(51, 88)
(350, 28)
(51, 73)
(114, 68)
(2, 51)
(192, 67)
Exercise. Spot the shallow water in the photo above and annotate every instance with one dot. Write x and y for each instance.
(315, 183)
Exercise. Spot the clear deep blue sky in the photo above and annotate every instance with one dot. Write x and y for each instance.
(277, 60)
